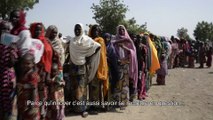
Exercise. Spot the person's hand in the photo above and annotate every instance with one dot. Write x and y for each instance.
(62, 83)
(121, 45)
(13, 45)
(124, 61)
(31, 111)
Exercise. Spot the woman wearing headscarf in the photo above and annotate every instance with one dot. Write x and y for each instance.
(126, 53)
(191, 54)
(84, 58)
(152, 60)
(184, 47)
(154, 57)
(44, 66)
(158, 45)
(24, 43)
(155, 52)
(142, 53)
(37, 31)
(8, 56)
(102, 77)
(163, 71)
(148, 63)
(55, 94)
(17, 18)
(52, 35)
(174, 52)
(112, 61)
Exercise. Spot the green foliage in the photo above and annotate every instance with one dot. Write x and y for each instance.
(133, 27)
(7, 6)
(182, 33)
(109, 13)
(204, 31)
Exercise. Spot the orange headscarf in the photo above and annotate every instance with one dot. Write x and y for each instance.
(154, 57)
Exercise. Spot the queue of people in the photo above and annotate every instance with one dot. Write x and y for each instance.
(40, 72)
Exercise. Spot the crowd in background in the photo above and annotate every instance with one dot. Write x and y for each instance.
(93, 72)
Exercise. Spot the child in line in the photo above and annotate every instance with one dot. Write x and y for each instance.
(27, 93)
(55, 110)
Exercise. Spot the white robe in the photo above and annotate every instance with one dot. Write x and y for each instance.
(83, 47)
(25, 42)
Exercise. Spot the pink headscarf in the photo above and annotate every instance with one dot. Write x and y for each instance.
(133, 67)
(126, 36)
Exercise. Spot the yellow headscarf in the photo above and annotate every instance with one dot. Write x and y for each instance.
(155, 65)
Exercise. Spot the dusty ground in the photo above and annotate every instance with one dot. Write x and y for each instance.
(188, 95)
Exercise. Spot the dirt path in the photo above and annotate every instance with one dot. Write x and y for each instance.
(188, 95)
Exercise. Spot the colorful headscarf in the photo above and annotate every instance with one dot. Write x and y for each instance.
(46, 59)
(24, 44)
(133, 67)
(32, 30)
(112, 60)
(155, 65)
(126, 36)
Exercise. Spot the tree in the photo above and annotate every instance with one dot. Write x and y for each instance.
(133, 27)
(204, 31)
(182, 33)
(109, 13)
(7, 6)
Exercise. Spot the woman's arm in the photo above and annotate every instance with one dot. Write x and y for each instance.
(124, 47)
(121, 41)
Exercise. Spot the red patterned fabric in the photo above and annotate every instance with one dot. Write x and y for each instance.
(7, 78)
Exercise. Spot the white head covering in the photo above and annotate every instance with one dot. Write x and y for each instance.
(83, 46)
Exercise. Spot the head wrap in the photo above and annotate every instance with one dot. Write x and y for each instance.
(56, 43)
(133, 67)
(21, 23)
(83, 46)
(46, 59)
